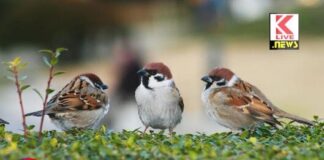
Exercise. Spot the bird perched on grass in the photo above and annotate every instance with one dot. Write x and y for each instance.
(160, 105)
(82, 104)
(3, 121)
(237, 104)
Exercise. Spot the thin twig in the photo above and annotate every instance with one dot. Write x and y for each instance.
(45, 100)
(15, 72)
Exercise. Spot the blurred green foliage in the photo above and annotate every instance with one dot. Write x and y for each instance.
(14, 67)
(291, 142)
(311, 24)
(69, 23)
(54, 23)
(51, 22)
(77, 23)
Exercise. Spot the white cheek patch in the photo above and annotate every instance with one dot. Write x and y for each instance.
(214, 86)
(233, 80)
(230, 83)
(153, 83)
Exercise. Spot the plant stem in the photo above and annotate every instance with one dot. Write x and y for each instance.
(45, 100)
(20, 101)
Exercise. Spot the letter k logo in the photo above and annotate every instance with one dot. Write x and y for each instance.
(281, 24)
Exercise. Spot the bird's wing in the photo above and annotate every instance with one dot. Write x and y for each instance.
(176, 93)
(74, 85)
(252, 105)
(74, 100)
(181, 104)
(251, 89)
(277, 111)
(77, 95)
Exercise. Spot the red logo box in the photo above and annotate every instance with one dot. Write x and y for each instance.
(284, 31)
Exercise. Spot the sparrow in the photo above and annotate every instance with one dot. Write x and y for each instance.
(3, 121)
(81, 104)
(237, 104)
(160, 105)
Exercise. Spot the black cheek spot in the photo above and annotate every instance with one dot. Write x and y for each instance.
(221, 83)
(159, 78)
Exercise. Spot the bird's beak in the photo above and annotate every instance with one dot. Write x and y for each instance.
(143, 72)
(207, 79)
(104, 87)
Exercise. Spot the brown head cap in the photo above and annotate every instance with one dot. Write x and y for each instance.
(160, 68)
(221, 72)
(92, 77)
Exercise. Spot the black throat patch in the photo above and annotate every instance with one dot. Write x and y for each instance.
(208, 85)
(145, 81)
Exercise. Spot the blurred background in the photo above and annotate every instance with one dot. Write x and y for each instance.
(115, 38)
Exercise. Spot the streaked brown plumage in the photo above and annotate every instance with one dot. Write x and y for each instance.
(82, 103)
(237, 104)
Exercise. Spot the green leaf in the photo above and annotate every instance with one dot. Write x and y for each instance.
(53, 142)
(6, 63)
(59, 51)
(30, 127)
(22, 88)
(253, 140)
(58, 73)
(23, 78)
(38, 93)
(15, 64)
(54, 61)
(46, 61)
(10, 70)
(22, 66)
(16, 61)
(49, 91)
(47, 51)
(244, 134)
(10, 78)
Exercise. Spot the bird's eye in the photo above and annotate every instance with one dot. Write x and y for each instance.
(159, 78)
(97, 85)
(221, 82)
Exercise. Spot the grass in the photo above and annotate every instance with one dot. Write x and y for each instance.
(290, 142)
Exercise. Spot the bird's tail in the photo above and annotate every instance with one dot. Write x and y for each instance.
(3, 122)
(282, 114)
(37, 113)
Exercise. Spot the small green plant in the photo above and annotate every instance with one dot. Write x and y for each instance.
(290, 142)
(14, 67)
(51, 61)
